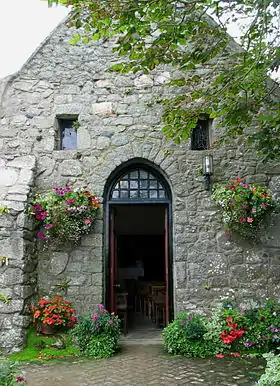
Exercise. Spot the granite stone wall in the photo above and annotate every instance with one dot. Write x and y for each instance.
(118, 123)
(18, 275)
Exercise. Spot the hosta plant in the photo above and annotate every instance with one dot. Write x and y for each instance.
(244, 206)
(64, 213)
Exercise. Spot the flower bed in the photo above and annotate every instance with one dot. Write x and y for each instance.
(244, 206)
(228, 331)
(64, 213)
(97, 335)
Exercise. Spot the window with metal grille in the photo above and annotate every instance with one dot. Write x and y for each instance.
(200, 135)
(138, 184)
(67, 133)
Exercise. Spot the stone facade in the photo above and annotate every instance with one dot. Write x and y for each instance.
(118, 123)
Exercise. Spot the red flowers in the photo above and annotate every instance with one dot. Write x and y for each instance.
(233, 333)
(20, 380)
(53, 312)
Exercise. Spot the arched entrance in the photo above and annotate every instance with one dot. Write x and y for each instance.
(138, 243)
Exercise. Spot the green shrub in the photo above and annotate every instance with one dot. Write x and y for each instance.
(97, 335)
(186, 336)
(263, 326)
(9, 374)
(100, 346)
(271, 377)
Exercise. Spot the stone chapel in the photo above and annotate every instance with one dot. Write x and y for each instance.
(156, 213)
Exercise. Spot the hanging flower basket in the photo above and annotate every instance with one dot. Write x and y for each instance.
(244, 206)
(64, 214)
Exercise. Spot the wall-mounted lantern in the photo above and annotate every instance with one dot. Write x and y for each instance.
(207, 167)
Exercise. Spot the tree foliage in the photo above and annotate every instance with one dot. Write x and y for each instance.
(219, 77)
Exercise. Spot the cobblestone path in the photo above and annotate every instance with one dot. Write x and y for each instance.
(143, 365)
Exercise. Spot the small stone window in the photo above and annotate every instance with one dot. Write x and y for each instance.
(200, 136)
(67, 132)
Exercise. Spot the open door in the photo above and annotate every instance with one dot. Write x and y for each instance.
(166, 262)
(113, 263)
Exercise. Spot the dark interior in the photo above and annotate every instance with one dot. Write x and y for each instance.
(139, 233)
(145, 252)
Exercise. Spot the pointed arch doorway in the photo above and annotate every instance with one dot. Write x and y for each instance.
(138, 244)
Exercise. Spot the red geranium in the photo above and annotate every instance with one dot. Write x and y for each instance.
(232, 333)
(54, 311)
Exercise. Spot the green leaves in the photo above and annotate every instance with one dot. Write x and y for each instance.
(228, 81)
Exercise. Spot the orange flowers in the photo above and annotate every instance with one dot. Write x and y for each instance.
(54, 312)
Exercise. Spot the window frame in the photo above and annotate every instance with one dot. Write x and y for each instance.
(60, 130)
(206, 124)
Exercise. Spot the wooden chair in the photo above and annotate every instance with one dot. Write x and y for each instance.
(122, 309)
(157, 291)
(159, 307)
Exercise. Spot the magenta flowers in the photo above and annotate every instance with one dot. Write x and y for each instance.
(64, 213)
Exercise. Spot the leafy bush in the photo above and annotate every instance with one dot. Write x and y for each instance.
(97, 335)
(186, 335)
(230, 329)
(9, 374)
(263, 326)
(101, 346)
(271, 377)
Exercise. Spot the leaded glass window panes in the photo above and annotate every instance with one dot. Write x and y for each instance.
(138, 184)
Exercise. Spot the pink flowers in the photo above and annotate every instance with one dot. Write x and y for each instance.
(41, 235)
(242, 219)
(249, 219)
(219, 356)
(87, 221)
(49, 226)
(94, 317)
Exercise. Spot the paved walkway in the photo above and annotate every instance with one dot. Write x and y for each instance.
(142, 365)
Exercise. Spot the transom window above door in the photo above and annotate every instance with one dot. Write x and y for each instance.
(138, 184)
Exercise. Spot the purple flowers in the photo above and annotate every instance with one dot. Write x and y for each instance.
(249, 343)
